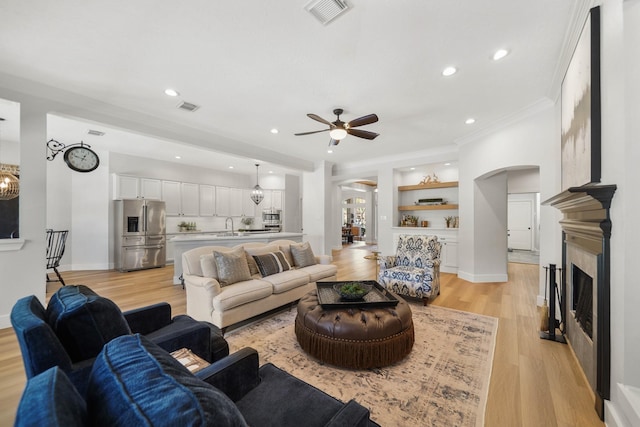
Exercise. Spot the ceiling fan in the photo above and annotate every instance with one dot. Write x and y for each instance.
(339, 129)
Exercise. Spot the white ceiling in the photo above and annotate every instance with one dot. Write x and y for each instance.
(254, 65)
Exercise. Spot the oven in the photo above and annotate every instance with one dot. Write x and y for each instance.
(272, 219)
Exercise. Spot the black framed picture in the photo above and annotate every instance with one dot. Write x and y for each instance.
(580, 106)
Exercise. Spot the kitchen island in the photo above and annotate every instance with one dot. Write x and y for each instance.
(186, 242)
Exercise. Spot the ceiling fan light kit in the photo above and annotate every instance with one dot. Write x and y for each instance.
(338, 130)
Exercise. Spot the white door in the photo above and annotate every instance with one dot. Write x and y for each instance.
(520, 224)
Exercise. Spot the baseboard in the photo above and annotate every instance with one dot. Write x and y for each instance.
(482, 278)
(5, 321)
(626, 412)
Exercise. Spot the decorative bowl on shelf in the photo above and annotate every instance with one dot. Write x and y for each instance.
(352, 291)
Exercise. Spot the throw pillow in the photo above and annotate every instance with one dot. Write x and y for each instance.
(208, 266)
(271, 263)
(232, 266)
(302, 254)
(134, 382)
(260, 250)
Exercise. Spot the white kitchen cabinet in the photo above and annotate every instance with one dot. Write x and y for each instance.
(248, 206)
(223, 200)
(171, 197)
(272, 199)
(181, 198)
(207, 200)
(125, 187)
(150, 188)
(133, 187)
(235, 202)
(189, 199)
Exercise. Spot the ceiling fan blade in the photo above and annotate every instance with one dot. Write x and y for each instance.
(364, 120)
(334, 142)
(309, 133)
(319, 119)
(362, 133)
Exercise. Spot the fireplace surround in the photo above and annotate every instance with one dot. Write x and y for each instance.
(586, 233)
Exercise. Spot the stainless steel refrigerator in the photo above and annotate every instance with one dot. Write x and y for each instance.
(140, 234)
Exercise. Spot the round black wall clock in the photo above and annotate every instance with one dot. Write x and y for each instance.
(81, 159)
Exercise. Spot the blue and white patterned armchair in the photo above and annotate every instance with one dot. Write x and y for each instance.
(414, 270)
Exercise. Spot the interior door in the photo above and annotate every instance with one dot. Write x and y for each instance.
(520, 224)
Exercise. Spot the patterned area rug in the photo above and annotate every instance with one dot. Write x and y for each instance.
(443, 382)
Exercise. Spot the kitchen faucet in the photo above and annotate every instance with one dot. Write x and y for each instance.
(225, 224)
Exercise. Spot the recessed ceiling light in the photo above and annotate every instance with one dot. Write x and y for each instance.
(449, 71)
(329, 151)
(171, 92)
(178, 157)
(447, 164)
(270, 171)
(412, 169)
(500, 53)
(230, 167)
(470, 121)
(274, 130)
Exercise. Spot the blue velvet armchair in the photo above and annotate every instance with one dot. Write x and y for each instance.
(414, 271)
(78, 323)
(134, 382)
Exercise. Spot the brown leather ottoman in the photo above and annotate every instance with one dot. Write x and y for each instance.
(357, 338)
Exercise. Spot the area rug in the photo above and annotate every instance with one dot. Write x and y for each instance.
(443, 382)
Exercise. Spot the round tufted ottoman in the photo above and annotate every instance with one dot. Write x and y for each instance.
(357, 338)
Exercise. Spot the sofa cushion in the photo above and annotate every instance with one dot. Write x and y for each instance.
(287, 280)
(232, 266)
(134, 382)
(242, 293)
(208, 266)
(271, 263)
(302, 254)
(51, 399)
(84, 321)
(320, 271)
(251, 251)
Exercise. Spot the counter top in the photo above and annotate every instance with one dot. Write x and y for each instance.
(238, 236)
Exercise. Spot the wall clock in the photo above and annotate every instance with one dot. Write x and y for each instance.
(81, 159)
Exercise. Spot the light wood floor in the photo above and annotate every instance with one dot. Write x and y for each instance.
(533, 383)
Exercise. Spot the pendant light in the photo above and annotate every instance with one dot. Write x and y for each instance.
(257, 194)
(9, 183)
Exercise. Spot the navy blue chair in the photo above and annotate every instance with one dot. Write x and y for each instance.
(77, 323)
(134, 382)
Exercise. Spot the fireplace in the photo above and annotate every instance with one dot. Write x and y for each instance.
(586, 230)
(582, 299)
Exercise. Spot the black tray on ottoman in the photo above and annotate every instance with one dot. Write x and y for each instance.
(378, 297)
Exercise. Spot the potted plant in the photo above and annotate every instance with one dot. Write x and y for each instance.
(247, 221)
(183, 226)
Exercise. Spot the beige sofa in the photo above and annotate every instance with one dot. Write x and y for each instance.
(227, 305)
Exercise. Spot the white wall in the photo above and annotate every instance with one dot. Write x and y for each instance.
(620, 67)
(23, 271)
(533, 140)
(523, 181)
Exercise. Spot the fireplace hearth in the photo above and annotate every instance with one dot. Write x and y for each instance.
(586, 231)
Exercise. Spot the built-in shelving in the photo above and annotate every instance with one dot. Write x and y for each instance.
(426, 207)
(428, 186)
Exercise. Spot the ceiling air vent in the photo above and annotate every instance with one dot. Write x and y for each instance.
(187, 106)
(95, 132)
(326, 11)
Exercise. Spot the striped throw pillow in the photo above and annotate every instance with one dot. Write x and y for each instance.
(271, 263)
